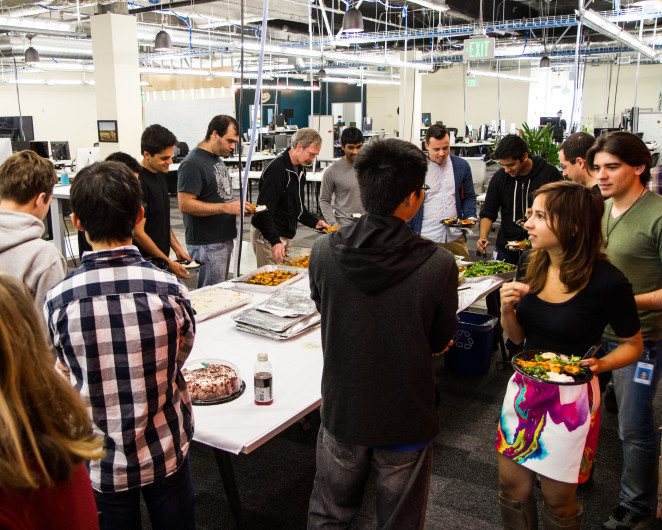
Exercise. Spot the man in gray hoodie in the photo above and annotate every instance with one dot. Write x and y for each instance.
(26, 191)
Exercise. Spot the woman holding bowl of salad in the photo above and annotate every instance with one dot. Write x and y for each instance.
(565, 293)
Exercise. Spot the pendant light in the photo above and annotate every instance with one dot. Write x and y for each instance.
(545, 63)
(31, 54)
(352, 21)
(321, 74)
(162, 42)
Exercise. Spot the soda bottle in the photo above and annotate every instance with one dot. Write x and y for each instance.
(263, 380)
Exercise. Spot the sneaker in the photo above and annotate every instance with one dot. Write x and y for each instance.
(623, 518)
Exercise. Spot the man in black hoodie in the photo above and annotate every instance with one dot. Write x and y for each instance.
(511, 190)
(282, 186)
(388, 301)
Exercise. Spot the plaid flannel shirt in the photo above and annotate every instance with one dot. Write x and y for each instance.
(124, 328)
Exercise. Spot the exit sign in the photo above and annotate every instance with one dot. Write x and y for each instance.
(478, 49)
(471, 82)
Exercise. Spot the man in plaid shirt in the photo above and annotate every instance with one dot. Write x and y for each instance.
(123, 328)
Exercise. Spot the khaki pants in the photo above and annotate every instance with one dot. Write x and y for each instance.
(457, 247)
(262, 248)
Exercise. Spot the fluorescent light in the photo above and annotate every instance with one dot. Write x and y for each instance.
(484, 73)
(379, 60)
(431, 5)
(600, 24)
(36, 25)
(279, 87)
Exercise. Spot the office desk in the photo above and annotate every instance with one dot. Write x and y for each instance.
(257, 159)
(462, 149)
(60, 194)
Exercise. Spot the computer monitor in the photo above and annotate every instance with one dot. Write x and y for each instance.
(18, 128)
(367, 124)
(20, 145)
(352, 124)
(550, 120)
(281, 141)
(86, 156)
(5, 149)
(279, 120)
(597, 131)
(288, 113)
(60, 151)
(427, 119)
(39, 147)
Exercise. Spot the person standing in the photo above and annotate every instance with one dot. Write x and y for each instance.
(562, 122)
(509, 194)
(451, 194)
(632, 226)
(26, 192)
(204, 192)
(572, 157)
(378, 383)
(339, 183)
(122, 328)
(158, 145)
(282, 186)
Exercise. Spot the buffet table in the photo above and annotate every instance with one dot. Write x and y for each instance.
(240, 426)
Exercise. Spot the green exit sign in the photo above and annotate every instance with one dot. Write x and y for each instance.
(472, 83)
(478, 49)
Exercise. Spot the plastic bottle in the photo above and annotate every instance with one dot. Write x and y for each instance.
(263, 380)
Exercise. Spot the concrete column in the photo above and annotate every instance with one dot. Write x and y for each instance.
(409, 121)
(117, 81)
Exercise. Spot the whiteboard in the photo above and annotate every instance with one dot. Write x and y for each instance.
(187, 119)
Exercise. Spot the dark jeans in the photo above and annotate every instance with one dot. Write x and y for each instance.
(402, 484)
(169, 502)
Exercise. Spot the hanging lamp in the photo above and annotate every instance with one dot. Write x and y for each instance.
(162, 41)
(31, 54)
(352, 21)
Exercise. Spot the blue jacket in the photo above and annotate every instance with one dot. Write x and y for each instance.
(465, 195)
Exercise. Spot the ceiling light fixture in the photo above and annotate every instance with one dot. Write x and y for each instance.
(431, 5)
(321, 74)
(162, 42)
(484, 73)
(545, 62)
(352, 21)
(31, 54)
(600, 24)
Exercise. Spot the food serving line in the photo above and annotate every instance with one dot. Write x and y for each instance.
(240, 426)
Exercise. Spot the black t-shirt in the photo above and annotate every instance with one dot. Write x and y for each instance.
(572, 327)
(157, 209)
(205, 175)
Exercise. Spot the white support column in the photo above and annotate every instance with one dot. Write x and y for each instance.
(410, 103)
(117, 80)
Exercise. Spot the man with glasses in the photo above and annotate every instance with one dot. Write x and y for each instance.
(282, 186)
(510, 193)
(572, 156)
(451, 194)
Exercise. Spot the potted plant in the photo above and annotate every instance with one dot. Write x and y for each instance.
(540, 142)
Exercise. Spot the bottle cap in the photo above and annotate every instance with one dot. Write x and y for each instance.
(261, 357)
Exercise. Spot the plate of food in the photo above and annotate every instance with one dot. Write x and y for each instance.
(257, 208)
(327, 229)
(454, 222)
(190, 265)
(213, 381)
(552, 368)
(210, 301)
(269, 278)
(524, 244)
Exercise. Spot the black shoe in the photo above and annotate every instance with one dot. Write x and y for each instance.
(610, 398)
(623, 518)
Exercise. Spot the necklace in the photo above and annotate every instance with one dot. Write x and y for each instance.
(620, 217)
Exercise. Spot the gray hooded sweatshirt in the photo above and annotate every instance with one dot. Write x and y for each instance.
(23, 254)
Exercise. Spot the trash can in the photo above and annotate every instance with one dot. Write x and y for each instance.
(471, 352)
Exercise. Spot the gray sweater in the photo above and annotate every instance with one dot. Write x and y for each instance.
(339, 181)
(23, 254)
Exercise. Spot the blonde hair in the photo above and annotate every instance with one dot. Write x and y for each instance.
(44, 427)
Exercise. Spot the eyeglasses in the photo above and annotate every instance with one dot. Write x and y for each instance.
(425, 188)
(312, 155)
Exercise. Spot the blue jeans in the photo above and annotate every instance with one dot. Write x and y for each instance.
(402, 484)
(216, 259)
(169, 502)
(636, 429)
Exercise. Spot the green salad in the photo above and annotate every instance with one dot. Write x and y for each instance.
(486, 268)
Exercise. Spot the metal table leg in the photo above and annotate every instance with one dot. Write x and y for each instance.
(226, 469)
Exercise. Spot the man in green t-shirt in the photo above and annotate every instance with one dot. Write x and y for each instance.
(632, 226)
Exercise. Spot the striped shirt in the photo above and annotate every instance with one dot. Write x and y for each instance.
(124, 328)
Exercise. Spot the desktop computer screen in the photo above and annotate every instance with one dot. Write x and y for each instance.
(60, 151)
(281, 141)
(288, 113)
(367, 124)
(279, 120)
(41, 148)
(427, 119)
(86, 156)
(555, 121)
(5, 149)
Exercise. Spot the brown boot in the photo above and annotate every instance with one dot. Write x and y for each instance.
(518, 515)
(554, 522)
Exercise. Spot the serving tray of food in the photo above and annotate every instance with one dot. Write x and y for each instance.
(213, 381)
(525, 244)
(552, 368)
(210, 301)
(480, 269)
(300, 261)
(268, 279)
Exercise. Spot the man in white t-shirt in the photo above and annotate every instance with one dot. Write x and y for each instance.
(450, 195)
